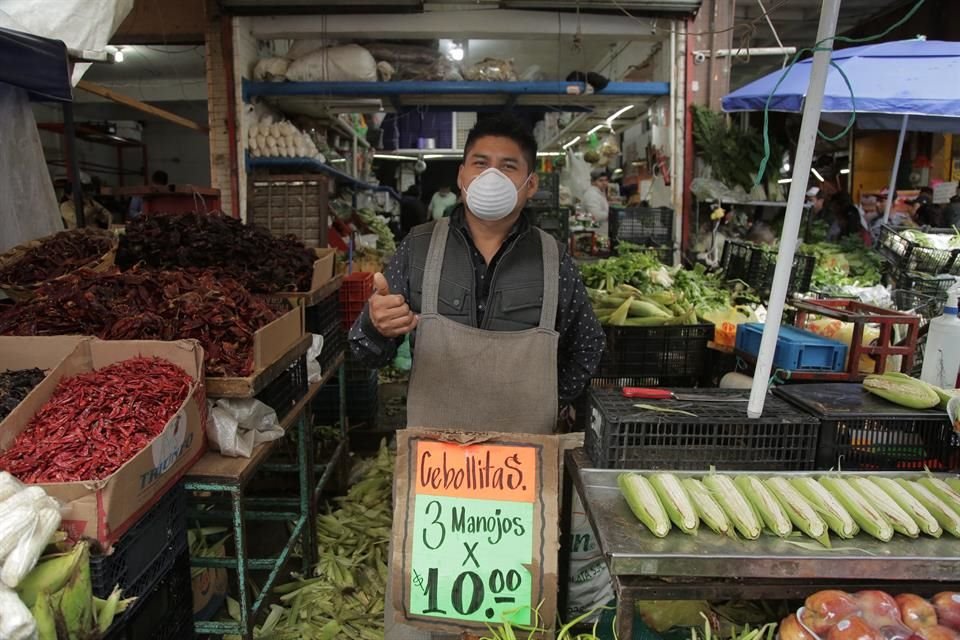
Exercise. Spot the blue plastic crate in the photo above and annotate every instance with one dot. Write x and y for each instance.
(797, 350)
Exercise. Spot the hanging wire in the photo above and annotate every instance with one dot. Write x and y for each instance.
(819, 46)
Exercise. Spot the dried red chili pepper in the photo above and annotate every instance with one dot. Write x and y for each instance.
(149, 305)
(261, 261)
(57, 255)
(95, 422)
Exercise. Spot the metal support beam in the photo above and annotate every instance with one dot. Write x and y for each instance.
(492, 24)
(133, 103)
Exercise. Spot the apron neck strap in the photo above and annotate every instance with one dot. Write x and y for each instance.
(434, 266)
(551, 281)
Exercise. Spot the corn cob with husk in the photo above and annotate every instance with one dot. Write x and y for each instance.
(801, 513)
(766, 505)
(920, 514)
(947, 517)
(676, 501)
(943, 491)
(903, 390)
(901, 520)
(738, 509)
(644, 503)
(867, 516)
(831, 510)
(710, 512)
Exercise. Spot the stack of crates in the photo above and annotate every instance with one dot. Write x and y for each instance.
(151, 563)
(363, 404)
(650, 227)
(324, 319)
(354, 294)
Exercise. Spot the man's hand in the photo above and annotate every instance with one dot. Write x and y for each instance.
(390, 314)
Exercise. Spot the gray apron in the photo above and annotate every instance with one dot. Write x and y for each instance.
(469, 378)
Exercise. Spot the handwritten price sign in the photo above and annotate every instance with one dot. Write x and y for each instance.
(475, 531)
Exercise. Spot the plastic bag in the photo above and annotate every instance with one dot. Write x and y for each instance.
(843, 332)
(236, 426)
(335, 64)
(492, 70)
(271, 69)
(576, 175)
(314, 372)
(22, 559)
(9, 485)
(725, 323)
(16, 621)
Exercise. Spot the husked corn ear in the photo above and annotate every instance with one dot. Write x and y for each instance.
(767, 506)
(953, 483)
(735, 505)
(943, 491)
(947, 517)
(833, 513)
(920, 514)
(902, 390)
(866, 515)
(644, 503)
(801, 513)
(709, 511)
(886, 505)
(676, 501)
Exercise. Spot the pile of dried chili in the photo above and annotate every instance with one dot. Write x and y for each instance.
(57, 255)
(149, 305)
(262, 262)
(97, 421)
(15, 384)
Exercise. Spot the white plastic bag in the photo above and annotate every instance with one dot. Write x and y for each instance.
(22, 559)
(314, 373)
(335, 64)
(16, 621)
(271, 69)
(576, 175)
(236, 426)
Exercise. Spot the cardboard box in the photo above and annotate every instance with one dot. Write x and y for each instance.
(28, 352)
(271, 345)
(105, 509)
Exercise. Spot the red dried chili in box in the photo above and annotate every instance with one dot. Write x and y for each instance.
(97, 421)
(139, 304)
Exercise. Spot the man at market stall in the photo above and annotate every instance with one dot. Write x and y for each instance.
(502, 330)
(595, 201)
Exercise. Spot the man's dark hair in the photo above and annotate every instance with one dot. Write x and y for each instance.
(159, 177)
(505, 126)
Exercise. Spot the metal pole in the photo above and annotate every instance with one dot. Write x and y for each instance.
(896, 169)
(73, 166)
(794, 215)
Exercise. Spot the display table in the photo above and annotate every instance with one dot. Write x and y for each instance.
(215, 477)
(713, 567)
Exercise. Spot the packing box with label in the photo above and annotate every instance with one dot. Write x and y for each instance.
(104, 509)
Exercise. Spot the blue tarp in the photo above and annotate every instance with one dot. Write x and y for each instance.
(41, 66)
(909, 77)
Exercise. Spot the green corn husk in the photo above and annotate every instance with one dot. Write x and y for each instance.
(710, 512)
(902, 390)
(920, 514)
(799, 510)
(870, 520)
(833, 513)
(738, 509)
(644, 503)
(676, 501)
(766, 505)
(901, 520)
(943, 491)
(947, 517)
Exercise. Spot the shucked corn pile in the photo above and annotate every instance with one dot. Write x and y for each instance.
(747, 505)
(346, 598)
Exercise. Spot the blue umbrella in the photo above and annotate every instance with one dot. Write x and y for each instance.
(891, 85)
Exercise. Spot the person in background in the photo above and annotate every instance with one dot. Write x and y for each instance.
(442, 200)
(94, 213)
(412, 211)
(158, 179)
(924, 213)
(595, 200)
(845, 218)
(951, 212)
(869, 214)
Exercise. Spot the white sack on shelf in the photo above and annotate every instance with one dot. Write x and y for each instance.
(335, 64)
(271, 69)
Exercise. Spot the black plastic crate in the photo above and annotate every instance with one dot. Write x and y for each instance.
(622, 436)
(908, 255)
(333, 346)
(936, 286)
(755, 265)
(143, 553)
(548, 191)
(555, 221)
(290, 387)
(319, 316)
(582, 403)
(645, 226)
(673, 352)
(165, 612)
(862, 432)
(358, 373)
(927, 307)
(363, 402)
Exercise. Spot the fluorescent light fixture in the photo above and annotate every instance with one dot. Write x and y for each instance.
(844, 171)
(387, 156)
(439, 156)
(619, 113)
(595, 129)
(816, 174)
(550, 154)
(571, 143)
(335, 160)
(785, 181)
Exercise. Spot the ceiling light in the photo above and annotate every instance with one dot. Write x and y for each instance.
(619, 113)
(816, 174)
(785, 181)
(456, 53)
(571, 143)
(118, 56)
(335, 160)
(844, 171)
(785, 168)
(550, 154)
(387, 156)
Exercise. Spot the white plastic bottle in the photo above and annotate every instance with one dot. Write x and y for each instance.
(941, 357)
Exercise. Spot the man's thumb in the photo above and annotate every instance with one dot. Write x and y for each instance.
(380, 286)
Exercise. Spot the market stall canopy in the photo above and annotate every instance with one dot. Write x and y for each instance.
(889, 80)
(42, 65)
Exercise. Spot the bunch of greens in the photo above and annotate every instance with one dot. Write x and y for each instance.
(844, 263)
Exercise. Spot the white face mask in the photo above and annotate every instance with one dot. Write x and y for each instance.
(492, 195)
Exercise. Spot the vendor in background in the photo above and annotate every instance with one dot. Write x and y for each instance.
(442, 200)
(502, 330)
(158, 179)
(870, 214)
(94, 213)
(412, 211)
(595, 202)
(844, 217)
(923, 211)
(817, 200)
